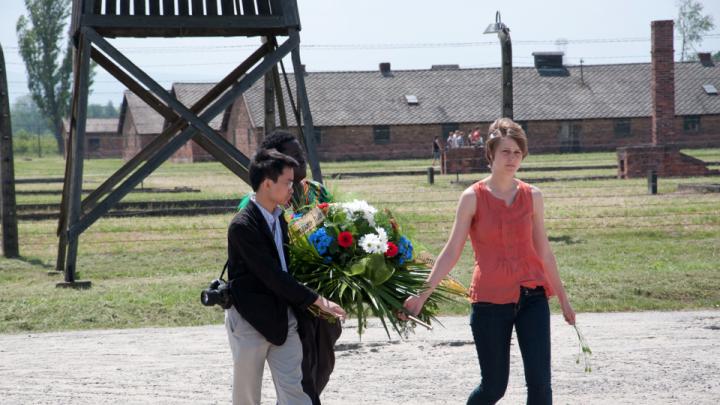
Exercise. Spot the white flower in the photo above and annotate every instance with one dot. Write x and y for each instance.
(360, 207)
(375, 243)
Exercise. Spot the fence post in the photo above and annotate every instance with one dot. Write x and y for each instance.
(652, 181)
(7, 171)
(431, 175)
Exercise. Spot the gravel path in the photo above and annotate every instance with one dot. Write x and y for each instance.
(639, 358)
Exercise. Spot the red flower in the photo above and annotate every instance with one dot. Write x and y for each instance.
(392, 250)
(345, 239)
(323, 206)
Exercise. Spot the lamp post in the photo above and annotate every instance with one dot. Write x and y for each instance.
(503, 33)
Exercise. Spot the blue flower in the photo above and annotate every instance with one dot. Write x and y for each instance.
(405, 250)
(320, 240)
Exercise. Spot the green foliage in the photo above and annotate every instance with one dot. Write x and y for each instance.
(691, 24)
(41, 38)
(102, 111)
(26, 116)
(33, 144)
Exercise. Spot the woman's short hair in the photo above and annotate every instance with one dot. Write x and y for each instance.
(504, 128)
(268, 164)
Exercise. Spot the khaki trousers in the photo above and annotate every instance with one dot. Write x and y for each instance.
(250, 350)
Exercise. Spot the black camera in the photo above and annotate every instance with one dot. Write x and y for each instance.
(218, 293)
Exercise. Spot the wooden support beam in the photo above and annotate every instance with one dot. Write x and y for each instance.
(7, 170)
(184, 7)
(171, 147)
(156, 21)
(304, 104)
(160, 140)
(279, 97)
(248, 7)
(132, 85)
(228, 8)
(81, 76)
(197, 7)
(139, 7)
(166, 97)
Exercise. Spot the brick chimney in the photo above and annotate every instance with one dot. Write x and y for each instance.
(663, 82)
(385, 69)
(705, 59)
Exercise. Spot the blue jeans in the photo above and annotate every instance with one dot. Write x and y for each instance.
(492, 326)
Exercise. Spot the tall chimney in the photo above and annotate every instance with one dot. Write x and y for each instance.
(663, 82)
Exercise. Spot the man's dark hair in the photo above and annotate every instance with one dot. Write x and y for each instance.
(277, 139)
(268, 164)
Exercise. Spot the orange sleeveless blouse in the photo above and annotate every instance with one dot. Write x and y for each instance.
(505, 256)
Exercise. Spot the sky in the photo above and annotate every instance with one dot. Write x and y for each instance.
(410, 34)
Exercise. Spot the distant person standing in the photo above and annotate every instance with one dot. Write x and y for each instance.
(436, 147)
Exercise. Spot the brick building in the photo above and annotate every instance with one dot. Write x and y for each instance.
(395, 114)
(102, 139)
(139, 124)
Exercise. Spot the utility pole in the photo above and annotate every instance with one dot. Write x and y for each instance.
(503, 33)
(7, 171)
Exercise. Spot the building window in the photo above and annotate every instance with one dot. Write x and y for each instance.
(691, 123)
(318, 131)
(447, 128)
(93, 144)
(569, 136)
(622, 128)
(381, 134)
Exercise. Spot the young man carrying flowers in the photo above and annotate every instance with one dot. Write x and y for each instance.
(262, 323)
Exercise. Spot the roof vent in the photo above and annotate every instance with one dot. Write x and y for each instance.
(385, 69)
(550, 64)
(710, 89)
(445, 67)
(705, 59)
(411, 99)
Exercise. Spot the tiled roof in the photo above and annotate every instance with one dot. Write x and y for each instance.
(190, 93)
(474, 95)
(97, 125)
(101, 125)
(147, 121)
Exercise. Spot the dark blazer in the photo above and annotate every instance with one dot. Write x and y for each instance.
(261, 290)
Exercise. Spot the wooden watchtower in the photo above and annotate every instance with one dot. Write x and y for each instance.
(95, 20)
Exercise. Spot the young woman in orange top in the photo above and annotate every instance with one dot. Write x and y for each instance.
(515, 270)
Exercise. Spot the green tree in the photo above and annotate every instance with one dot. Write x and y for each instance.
(41, 37)
(691, 24)
(26, 116)
(102, 111)
(716, 56)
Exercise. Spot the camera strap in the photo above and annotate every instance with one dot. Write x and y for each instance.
(223, 270)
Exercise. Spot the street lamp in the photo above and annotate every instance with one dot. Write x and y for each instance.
(503, 33)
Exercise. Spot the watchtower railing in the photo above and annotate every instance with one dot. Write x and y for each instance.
(162, 18)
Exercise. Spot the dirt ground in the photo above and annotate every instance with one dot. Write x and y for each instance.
(638, 358)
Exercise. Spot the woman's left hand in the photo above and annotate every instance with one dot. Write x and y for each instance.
(568, 313)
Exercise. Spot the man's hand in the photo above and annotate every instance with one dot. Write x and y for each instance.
(330, 307)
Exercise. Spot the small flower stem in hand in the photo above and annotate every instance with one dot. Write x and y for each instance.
(320, 313)
(585, 351)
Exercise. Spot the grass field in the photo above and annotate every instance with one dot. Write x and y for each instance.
(619, 249)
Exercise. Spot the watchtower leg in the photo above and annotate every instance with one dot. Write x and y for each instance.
(304, 104)
(76, 156)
